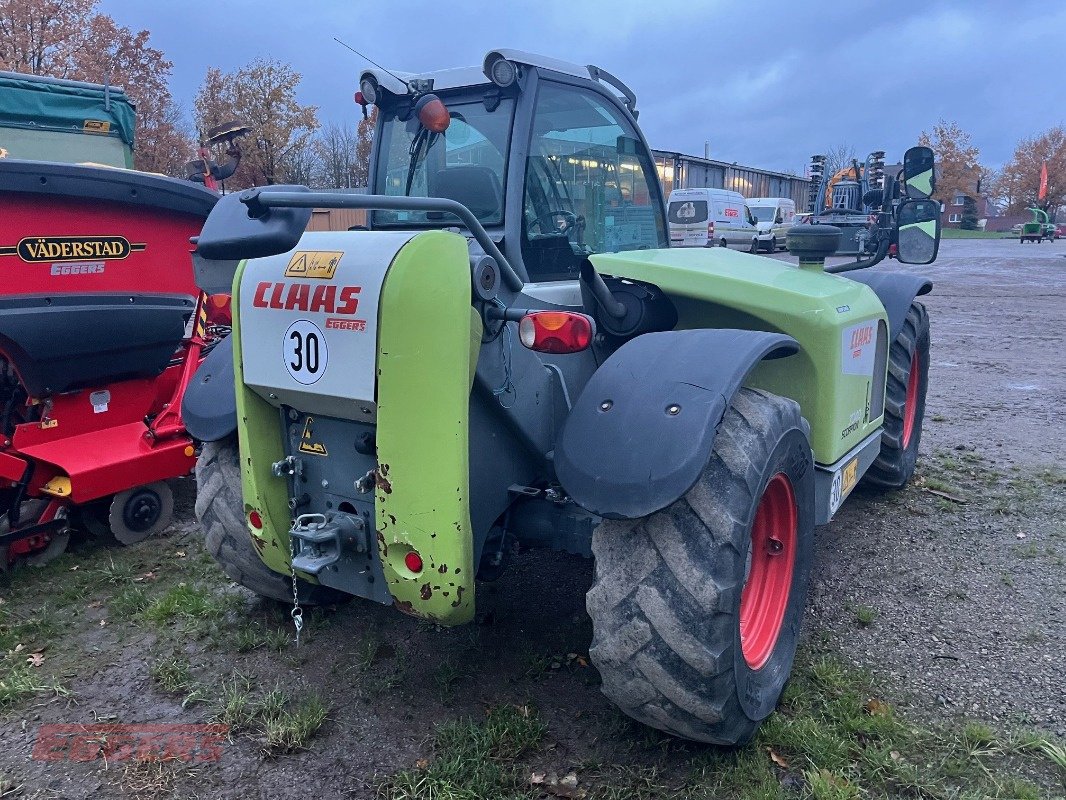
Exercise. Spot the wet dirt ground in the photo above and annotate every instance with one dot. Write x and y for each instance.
(951, 593)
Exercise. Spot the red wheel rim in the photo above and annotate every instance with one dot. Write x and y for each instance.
(773, 555)
(910, 407)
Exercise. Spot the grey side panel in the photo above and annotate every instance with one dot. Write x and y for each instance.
(896, 291)
(642, 430)
(209, 407)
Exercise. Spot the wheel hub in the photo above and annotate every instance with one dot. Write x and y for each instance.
(764, 599)
(142, 511)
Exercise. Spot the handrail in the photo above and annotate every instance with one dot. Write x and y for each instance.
(263, 198)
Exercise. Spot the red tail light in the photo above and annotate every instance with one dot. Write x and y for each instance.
(255, 520)
(555, 331)
(413, 561)
(710, 229)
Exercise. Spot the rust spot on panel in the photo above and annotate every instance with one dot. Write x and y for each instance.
(426, 591)
(382, 482)
(260, 544)
(458, 597)
(392, 519)
(382, 544)
(442, 568)
(408, 608)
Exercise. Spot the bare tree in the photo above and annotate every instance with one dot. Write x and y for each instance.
(335, 147)
(838, 157)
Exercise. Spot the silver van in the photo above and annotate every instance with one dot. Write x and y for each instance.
(773, 216)
(709, 217)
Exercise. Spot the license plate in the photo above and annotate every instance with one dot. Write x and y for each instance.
(849, 477)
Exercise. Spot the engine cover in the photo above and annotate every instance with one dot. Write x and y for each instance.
(309, 322)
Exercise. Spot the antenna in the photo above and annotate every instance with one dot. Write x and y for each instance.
(372, 61)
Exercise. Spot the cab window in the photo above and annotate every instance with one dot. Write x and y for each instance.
(588, 185)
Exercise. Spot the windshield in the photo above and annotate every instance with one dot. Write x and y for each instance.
(764, 213)
(589, 184)
(466, 163)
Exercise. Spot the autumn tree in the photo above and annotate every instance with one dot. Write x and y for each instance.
(71, 39)
(958, 168)
(364, 143)
(1020, 181)
(262, 95)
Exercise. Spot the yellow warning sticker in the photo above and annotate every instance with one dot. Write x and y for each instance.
(313, 264)
(308, 443)
(96, 126)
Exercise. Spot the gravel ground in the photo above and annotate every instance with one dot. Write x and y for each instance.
(970, 600)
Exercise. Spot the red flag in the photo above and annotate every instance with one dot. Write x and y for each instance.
(1042, 194)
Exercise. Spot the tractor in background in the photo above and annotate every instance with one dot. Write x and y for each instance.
(513, 357)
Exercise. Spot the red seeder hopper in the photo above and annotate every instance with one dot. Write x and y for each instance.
(101, 329)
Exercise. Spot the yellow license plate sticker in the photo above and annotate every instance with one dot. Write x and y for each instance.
(313, 264)
(848, 477)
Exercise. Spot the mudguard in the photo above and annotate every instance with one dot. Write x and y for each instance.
(896, 291)
(642, 430)
(209, 407)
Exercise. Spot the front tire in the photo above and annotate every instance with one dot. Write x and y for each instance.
(696, 608)
(220, 509)
(754, 246)
(908, 381)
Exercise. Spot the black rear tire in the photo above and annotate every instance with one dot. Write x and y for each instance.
(220, 509)
(908, 380)
(666, 602)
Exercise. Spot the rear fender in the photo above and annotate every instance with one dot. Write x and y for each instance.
(643, 428)
(209, 407)
(896, 291)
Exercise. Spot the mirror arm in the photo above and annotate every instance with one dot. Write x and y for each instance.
(877, 257)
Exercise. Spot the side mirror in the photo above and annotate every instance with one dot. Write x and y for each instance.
(917, 231)
(236, 231)
(919, 180)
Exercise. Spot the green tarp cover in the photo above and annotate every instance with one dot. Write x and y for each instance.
(34, 103)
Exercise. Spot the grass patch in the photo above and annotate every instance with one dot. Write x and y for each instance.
(283, 723)
(20, 682)
(474, 759)
(865, 616)
(832, 738)
(171, 674)
(192, 608)
(257, 637)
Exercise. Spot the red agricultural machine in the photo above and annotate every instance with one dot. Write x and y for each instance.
(101, 323)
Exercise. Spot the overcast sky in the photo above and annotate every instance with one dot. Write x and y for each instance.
(767, 84)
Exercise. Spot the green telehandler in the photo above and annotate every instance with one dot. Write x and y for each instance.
(511, 355)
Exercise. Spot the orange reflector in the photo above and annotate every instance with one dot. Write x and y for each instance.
(432, 113)
(555, 331)
(413, 561)
(255, 520)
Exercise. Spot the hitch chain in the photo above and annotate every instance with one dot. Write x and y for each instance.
(297, 612)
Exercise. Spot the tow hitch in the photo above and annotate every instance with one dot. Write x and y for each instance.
(320, 540)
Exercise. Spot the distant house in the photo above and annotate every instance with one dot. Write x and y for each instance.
(953, 209)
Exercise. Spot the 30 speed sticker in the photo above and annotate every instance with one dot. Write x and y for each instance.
(304, 351)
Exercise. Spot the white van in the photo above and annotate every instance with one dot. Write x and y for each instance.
(709, 217)
(773, 216)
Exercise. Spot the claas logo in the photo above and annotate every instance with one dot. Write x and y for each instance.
(324, 298)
